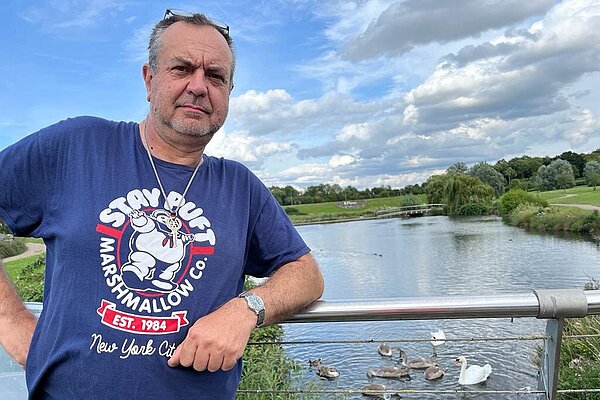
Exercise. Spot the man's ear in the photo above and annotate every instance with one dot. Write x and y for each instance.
(147, 75)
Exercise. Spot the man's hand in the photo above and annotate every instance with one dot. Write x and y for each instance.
(217, 340)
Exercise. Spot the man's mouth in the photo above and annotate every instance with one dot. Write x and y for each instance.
(194, 108)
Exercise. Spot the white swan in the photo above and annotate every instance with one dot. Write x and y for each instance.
(474, 374)
(438, 338)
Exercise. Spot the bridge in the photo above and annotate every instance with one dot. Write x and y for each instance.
(417, 210)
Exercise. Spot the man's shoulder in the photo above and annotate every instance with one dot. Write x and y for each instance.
(84, 129)
(227, 164)
(85, 123)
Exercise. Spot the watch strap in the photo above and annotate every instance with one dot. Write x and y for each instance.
(256, 304)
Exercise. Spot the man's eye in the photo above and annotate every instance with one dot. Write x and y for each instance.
(180, 68)
(218, 77)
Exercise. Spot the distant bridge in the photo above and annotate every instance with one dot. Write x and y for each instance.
(409, 211)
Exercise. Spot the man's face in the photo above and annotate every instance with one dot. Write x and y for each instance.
(189, 91)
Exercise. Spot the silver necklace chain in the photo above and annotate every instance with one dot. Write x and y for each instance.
(160, 185)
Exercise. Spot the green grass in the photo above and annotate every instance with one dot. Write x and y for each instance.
(575, 195)
(579, 368)
(31, 240)
(320, 212)
(14, 267)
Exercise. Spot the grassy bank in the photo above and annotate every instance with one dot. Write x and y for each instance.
(556, 219)
(335, 211)
(576, 195)
(573, 210)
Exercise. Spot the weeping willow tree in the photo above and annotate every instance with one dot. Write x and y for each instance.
(457, 190)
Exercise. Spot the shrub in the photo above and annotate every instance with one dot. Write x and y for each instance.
(510, 200)
(3, 228)
(591, 223)
(473, 209)
(579, 367)
(11, 247)
(30, 280)
(410, 200)
(293, 211)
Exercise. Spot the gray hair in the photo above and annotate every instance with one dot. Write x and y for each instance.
(197, 19)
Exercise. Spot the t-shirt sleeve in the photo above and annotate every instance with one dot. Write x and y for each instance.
(274, 239)
(24, 185)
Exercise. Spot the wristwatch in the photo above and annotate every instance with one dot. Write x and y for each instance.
(256, 304)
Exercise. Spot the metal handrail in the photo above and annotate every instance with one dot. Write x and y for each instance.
(420, 308)
(554, 305)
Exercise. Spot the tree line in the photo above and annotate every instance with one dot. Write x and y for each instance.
(324, 193)
(461, 184)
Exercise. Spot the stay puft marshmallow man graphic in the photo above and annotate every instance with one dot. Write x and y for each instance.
(157, 249)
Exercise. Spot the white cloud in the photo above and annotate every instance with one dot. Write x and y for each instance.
(276, 112)
(404, 25)
(354, 131)
(341, 160)
(245, 148)
(513, 78)
(256, 102)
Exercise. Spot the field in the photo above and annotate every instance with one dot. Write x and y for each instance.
(323, 212)
(575, 195)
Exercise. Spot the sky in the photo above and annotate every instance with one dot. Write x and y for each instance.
(364, 93)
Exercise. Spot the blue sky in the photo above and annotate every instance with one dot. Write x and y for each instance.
(362, 93)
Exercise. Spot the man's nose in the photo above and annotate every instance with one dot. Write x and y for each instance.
(198, 85)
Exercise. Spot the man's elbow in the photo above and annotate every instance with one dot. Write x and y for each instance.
(318, 282)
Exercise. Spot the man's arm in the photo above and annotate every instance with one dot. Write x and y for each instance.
(217, 340)
(17, 323)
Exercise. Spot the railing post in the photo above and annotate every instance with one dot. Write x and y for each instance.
(556, 305)
(550, 362)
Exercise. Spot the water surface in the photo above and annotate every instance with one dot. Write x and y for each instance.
(436, 256)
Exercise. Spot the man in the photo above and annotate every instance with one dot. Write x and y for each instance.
(148, 240)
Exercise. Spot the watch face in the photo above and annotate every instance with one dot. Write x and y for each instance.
(255, 302)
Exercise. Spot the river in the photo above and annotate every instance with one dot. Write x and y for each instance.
(435, 256)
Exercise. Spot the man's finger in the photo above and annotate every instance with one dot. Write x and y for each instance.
(174, 360)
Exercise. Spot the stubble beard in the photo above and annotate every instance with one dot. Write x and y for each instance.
(191, 128)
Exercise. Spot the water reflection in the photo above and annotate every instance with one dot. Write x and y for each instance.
(436, 256)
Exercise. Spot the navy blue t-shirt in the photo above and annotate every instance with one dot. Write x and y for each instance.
(122, 288)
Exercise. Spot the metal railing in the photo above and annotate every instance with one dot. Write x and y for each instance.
(551, 305)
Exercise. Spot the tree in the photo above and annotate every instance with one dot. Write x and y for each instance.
(565, 180)
(557, 175)
(455, 190)
(434, 189)
(525, 167)
(457, 168)
(489, 175)
(576, 160)
(278, 193)
(591, 171)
